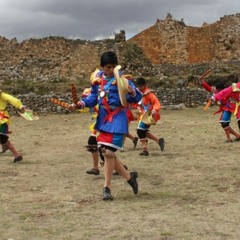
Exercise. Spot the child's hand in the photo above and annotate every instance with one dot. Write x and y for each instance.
(154, 113)
(79, 105)
(72, 107)
(213, 100)
(23, 108)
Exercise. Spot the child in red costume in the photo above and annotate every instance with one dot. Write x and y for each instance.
(226, 108)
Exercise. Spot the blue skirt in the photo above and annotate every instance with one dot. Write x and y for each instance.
(118, 123)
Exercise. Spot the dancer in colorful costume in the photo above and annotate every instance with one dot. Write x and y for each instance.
(92, 140)
(150, 106)
(226, 108)
(5, 121)
(112, 93)
(230, 104)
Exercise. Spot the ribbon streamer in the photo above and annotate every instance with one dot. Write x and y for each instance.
(207, 105)
(74, 94)
(205, 74)
(61, 103)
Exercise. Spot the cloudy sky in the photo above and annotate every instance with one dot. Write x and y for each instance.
(97, 19)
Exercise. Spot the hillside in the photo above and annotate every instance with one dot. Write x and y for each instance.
(172, 41)
(167, 50)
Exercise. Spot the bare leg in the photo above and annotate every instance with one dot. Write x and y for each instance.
(12, 149)
(134, 139)
(95, 160)
(130, 177)
(109, 165)
(94, 170)
(152, 137)
(227, 132)
(4, 148)
(129, 135)
(144, 143)
(233, 132)
(121, 170)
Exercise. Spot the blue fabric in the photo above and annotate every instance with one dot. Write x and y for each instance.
(143, 126)
(119, 124)
(120, 121)
(225, 117)
(118, 140)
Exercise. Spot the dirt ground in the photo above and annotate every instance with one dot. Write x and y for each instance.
(189, 191)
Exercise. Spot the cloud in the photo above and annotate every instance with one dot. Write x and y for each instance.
(93, 19)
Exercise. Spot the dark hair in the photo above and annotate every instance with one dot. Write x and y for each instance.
(140, 82)
(219, 86)
(108, 58)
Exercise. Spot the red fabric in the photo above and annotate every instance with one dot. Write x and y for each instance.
(206, 86)
(129, 115)
(110, 115)
(105, 137)
(133, 105)
(156, 117)
(2, 115)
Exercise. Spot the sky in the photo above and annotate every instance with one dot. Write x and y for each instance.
(99, 19)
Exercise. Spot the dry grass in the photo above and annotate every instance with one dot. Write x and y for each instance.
(190, 191)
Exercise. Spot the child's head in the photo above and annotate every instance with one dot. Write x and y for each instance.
(140, 83)
(219, 86)
(108, 62)
(108, 58)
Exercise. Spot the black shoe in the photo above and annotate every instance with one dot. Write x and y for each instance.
(107, 194)
(144, 153)
(18, 159)
(116, 173)
(161, 143)
(133, 182)
(135, 141)
(93, 171)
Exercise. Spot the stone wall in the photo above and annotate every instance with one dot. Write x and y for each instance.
(49, 58)
(55, 60)
(190, 97)
(168, 41)
(167, 49)
(171, 41)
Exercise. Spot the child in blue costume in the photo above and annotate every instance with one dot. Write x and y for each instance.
(112, 121)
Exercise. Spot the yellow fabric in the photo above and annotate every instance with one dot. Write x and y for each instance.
(84, 110)
(93, 76)
(6, 99)
(236, 108)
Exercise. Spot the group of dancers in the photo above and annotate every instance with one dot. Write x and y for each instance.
(116, 96)
(116, 100)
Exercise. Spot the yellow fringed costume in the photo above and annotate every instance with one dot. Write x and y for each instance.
(6, 99)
